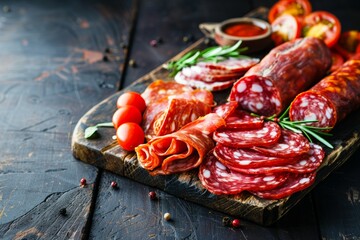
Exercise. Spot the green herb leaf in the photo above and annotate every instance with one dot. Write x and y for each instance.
(92, 131)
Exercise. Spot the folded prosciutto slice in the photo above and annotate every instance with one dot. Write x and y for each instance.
(182, 150)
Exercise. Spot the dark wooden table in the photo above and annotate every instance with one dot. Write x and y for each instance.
(60, 58)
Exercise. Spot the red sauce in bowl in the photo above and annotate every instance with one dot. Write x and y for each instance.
(244, 29)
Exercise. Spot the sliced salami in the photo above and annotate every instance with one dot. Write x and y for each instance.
(246, 158)
(268, 135)
(226, 109)
(241, 119)
(210, 86)
(290, 68)
(290, 144)
(182, 150)
(178, 113)
(239, 65)
(330, 100)
(306, 163)
(159, 89)
(218, 179)
(208, 75)
(294, 183)
(163, 113)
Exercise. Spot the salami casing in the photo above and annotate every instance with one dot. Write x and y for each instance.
(269, 87)
(330, 100)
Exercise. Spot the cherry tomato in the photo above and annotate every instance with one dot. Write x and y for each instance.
(285, 28)
(297, 8)
(129, 136)
(126, 114)
(323, 25)
(348, 44)
(131, 98)
(337, 61)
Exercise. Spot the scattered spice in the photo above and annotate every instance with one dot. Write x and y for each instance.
(83, 181)
(107, 50)
(62, 211)
(188, 38)
(114, 184)
(226, 221)
(132, 63)
(160, 40)
(167, 216)
(152, 195)
(123, 45)
(153, 43)
(105, 58)
(235, 223)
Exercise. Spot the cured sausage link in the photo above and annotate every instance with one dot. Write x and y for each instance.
(268, 87)
(330, 100)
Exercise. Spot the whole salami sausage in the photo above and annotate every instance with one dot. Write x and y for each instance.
(330, 100)
(268, 87)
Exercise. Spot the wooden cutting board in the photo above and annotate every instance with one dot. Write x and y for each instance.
(104, 152)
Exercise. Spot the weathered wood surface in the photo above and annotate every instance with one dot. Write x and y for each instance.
(48, 79)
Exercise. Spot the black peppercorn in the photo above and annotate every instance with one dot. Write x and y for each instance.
(226, 221)
(63, 211)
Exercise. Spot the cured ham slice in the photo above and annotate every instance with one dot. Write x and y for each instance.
(218, 179)
(182, 150)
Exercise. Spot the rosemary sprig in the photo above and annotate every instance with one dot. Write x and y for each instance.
(302, 127)
(210, 54)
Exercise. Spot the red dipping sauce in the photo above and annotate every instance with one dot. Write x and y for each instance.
(243, 29)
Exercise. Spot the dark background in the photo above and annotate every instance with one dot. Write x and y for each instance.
(60, 58)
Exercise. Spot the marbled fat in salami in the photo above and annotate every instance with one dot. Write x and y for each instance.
(265, 136)
(226, 109)
(290, 144)
(182, 150)
(245, 158)
(218, 179)
(305, 163)
(293, 184)
(330, 100)
(269, 87)
(241, 119)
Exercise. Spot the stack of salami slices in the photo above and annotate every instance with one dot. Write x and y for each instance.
(215, 76)
(258, 156)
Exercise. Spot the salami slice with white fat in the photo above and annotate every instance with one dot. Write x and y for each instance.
(208, 75)
(245, 158)
(293, 184)
(237, 65)
(290, 144)
(265, 136)
(218, 179)
(226, 109)
(305, 163)
(241, 119)
(210, 86)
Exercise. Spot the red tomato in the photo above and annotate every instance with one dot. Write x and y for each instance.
(126, 114)
(348, 44)
(285, 28)
(298, 8)
(131, 98)
(337, 61)
(129, 136)
(323, 25)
